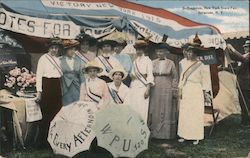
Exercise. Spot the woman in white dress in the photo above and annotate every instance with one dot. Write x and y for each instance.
(119, 92)
(193, 85)
(94, 89)
(142, 80)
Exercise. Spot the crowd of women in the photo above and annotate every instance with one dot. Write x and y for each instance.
(149, 87)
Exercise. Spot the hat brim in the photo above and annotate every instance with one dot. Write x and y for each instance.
(163, 46)
(111, 74)
(124, 44)
(99, 69)
(71, 45)
(92, 41)
(108, 42)
(55, 44)
(140, 46)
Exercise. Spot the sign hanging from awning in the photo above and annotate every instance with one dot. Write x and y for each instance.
(65, 19)
(208, 57)
(37, 26)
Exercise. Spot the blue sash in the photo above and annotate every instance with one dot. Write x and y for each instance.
(114, 94)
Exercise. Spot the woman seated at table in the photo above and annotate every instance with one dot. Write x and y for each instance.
(94, 89)
(119, 92)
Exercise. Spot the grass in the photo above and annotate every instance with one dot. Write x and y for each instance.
(229, 140)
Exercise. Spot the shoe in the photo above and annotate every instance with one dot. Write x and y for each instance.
(196, 142)
(181, 140)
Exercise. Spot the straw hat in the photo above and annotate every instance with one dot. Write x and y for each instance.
(118, 69)
(247, 43)
(92, 64)
(55, 41)
(70, 43)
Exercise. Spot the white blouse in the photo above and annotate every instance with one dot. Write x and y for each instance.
(48, 66)
(145, 67)
(123, 92)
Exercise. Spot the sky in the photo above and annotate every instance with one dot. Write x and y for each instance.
(227, 16)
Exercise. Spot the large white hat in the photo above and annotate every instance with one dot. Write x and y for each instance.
(118, 69)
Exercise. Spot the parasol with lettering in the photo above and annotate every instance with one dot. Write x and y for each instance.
(121, 131)
(71, 130)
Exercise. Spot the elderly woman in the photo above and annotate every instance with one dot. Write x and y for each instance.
(119, 92)
(142, 80)
(193, 85)
(162, 110)
(94, 89)
(72, 73)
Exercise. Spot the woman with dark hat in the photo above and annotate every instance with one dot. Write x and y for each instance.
(124, 59)
(72, 73)
(106, 59)
(48, 87)
(193, 85)
(84, 53)
(142, 80)
(163, 123)
(94, 89)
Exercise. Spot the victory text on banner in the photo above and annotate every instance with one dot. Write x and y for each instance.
(101, 18)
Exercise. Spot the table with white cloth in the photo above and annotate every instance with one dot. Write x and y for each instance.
(25, 116)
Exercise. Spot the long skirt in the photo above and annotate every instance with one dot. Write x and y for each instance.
(139, 103)
(51, 104)
(163, 121)
(71, 95)
(191, 112)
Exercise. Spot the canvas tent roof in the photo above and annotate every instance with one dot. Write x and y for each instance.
(43, 19)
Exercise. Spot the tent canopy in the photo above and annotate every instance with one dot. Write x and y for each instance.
(65, 19)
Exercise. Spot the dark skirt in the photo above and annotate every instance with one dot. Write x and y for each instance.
(50, 104)
(51, 101)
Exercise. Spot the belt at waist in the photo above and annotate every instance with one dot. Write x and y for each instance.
(158, 74)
